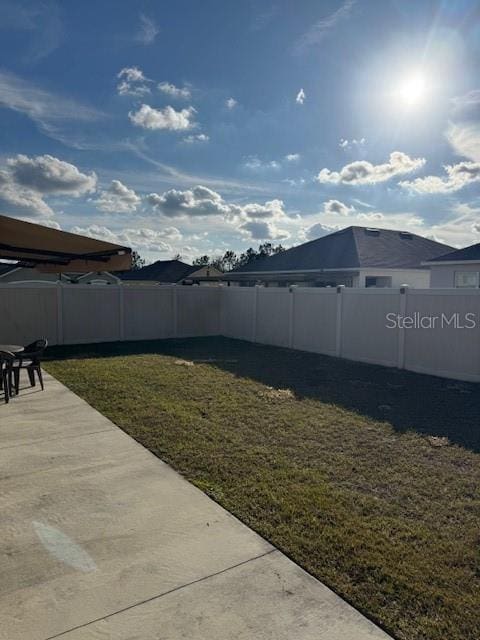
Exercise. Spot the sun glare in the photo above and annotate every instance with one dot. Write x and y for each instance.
(412, 91)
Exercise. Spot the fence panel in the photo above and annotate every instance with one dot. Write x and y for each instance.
(365, 335)
(273, 316)
(91, 314)
(148, 312)
(198, 311)
(238, 312)
(445, 349)
(28, 313)
(352, 323)
(314, 320)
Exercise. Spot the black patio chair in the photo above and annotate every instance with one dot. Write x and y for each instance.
(29, 359)
(6, 371)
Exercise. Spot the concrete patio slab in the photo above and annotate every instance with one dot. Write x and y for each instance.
(101, 539)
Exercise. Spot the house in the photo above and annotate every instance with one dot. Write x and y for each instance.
(354, 257)
(460, 268)
(17, 274)
(172, 272)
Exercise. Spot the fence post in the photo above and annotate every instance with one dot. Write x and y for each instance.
(401, 329)
(221, 309)
(121, 312)
(255, 309)
(59, 313)
(175, 310)
(291, 316)
(338, 329)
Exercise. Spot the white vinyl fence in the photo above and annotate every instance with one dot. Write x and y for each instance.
(76, 314)
(438, 332)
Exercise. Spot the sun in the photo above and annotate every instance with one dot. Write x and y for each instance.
(412, 90)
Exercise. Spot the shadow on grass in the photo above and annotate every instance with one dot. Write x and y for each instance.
(407, 401)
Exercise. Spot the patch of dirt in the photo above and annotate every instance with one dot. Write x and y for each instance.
(438, 441)
(184, 363)
(277, 395)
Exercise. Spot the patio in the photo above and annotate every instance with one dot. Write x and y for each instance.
(102, 539)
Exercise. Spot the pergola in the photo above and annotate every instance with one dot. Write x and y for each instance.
(53, 251)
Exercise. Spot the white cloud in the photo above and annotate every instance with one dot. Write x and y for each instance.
(50, 176)
(255, 164)
(292, 157)
(167, 118)
(294, 183)
(465, 139)
(183, 93)
(26, 181)
(133, 82)
(49, 111)
(263, 231)
(337, 208)
(364, 172)
(315, 34)
(458, 176)
(300, 98)
(15, 200)
(201, 201)
(199, 137)
(118, 198)
(231, 103)
(317, 230)
(271, 209)
(464, 104)
(371, 216)
(148, 30)
(464, 132)
(350, 144)
(140, 239)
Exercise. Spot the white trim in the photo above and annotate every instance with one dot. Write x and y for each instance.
(440, 263)
(228, 276)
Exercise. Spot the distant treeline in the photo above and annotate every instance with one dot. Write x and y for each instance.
(230, 260)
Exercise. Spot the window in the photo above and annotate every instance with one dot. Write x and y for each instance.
(378, 281)
(467, 279)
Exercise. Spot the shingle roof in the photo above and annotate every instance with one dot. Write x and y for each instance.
(353, 248)
(160, 271)
(460, 255)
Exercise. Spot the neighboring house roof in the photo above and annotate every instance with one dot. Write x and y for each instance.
(205, 273)
(352, 248)
(466, 254)
(160, 271)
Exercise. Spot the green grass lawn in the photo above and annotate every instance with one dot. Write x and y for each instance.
(338, 469)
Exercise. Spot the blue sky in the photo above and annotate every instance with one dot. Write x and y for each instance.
(195, 127)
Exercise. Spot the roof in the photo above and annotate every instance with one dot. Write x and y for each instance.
(160, 271)
(466, 254)
(55, 251)
(353, 248)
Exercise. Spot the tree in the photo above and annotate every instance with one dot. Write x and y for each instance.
(202, 261)
(230, 261)
(137, 261)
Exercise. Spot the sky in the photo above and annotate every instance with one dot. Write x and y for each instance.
(191, 128)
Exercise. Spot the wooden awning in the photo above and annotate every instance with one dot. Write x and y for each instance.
(54, 251)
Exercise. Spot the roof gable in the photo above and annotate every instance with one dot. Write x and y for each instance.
(461, 255)
(353, 248)
(160, 271)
